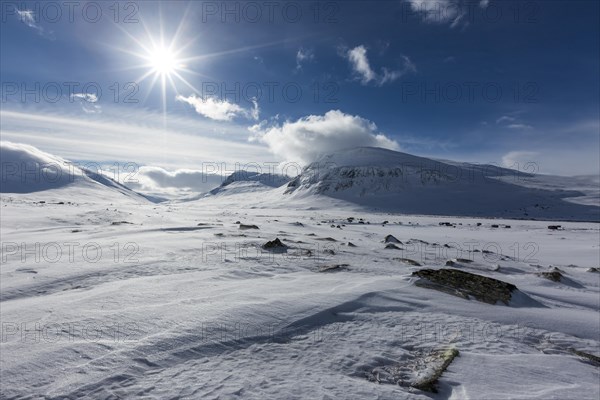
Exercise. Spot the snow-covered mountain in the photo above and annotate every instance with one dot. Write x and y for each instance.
(375, 178)
(248, 181)
(393, 181)
(27, 170)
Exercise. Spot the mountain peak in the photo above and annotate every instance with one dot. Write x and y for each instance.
(369, 156)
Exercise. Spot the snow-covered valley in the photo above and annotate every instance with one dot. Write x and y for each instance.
(105, 294)
(300, 200)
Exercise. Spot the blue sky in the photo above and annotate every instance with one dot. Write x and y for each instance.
(505, 82)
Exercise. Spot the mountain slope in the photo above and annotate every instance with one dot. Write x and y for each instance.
(247, 181)
(28, 170)
(398, 182)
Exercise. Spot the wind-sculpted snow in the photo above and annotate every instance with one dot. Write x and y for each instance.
(103, 299)
(256, 294)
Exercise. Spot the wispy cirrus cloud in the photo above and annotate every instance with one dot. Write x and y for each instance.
(27, 17)
(88, 102)
(128, 135)
(511, 122)
(220, 110)
(454, 13)
(505, 118)
(520, 126)
(361, 66)
(437, 11)
(303, 56)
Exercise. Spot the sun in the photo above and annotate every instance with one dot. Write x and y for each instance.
(163, 64)
(163, 61)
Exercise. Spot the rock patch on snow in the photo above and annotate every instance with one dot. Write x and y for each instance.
(466, 285)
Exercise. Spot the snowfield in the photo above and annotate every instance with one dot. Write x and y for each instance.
(105, 294)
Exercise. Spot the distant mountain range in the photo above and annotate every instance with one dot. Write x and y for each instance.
(375, 178)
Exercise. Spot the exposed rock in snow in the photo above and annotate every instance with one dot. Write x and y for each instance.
(466, 284)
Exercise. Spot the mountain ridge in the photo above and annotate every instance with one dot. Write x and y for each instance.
(399, 182)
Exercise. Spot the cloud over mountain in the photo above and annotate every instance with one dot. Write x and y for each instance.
(308, 137)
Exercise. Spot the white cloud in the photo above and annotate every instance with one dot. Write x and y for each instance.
(505, 118)
(456, 21)
(308, 137)
(520, 126)
(590, 126)
(181, 182)
(512, 123)
(88, 102)
(439, 11)
(517, 159)
(255, 112)
(455, 13)
(89, 97)
(390, 76)
(302, 56)
(361, 66)
(28, 18)
(564, 161)
(219, 110)
(138, 136)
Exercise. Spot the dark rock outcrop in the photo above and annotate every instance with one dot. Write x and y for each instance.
(274, 245)
(466, 285)
(391, 239)
(245, 227)
(409, 261)
(554, 276)
(333, 267)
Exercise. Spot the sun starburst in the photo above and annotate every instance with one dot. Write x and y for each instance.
(163, 61)
(169, 62)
